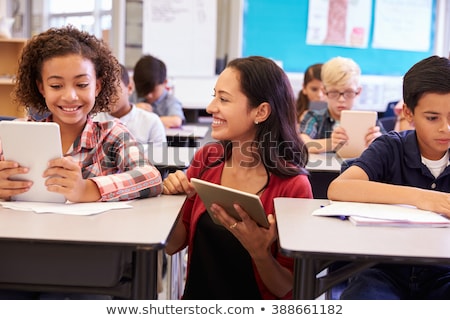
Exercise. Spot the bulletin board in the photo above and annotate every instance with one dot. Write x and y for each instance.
(278, 30)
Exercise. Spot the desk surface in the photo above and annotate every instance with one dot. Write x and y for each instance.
(301, 233)
(171, 157)
(329, 162)
(316, 242)
(188, 131)
(147, 223)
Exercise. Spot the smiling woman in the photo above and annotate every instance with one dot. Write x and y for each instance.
(258, 152)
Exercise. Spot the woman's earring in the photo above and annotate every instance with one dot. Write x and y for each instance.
(256, 122)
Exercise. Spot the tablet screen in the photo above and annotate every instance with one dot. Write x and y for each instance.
(225, 197)
(32, 145)
(356, 125)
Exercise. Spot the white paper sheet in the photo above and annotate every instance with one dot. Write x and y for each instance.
(397, 213)
(79, 209)
(402, 25)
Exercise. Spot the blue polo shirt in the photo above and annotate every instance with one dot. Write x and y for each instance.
(168, 105)
(395, 158)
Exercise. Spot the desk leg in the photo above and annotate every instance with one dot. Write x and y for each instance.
(304, 279)
(145, 274)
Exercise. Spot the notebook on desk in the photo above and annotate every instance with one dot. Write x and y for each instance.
(385, 215)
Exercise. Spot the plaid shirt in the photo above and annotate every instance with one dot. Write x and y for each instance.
(115, 162)
(318, 124)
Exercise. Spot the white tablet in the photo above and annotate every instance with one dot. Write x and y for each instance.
(356, 124)
(225, 197)
(32, 145)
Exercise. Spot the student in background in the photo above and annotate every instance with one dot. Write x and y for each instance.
(150, 80)
(312, 89)
(408, 167)
(401, 123)
(320, 129)
(146, 127)
(258, 151)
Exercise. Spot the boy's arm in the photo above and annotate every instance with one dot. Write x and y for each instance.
(171, 121)
(315, 145)
(338, 137)
(354, 185)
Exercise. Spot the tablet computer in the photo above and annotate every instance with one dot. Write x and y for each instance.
(225, 197)
(317, 105)
(32, 145)
(356, 124)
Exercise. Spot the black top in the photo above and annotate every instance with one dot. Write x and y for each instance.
(220, 267)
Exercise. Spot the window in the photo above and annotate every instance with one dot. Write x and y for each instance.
(94, 17)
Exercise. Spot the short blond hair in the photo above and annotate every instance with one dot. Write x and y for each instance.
(340, 71)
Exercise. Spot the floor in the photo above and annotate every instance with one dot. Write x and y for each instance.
(173, 281)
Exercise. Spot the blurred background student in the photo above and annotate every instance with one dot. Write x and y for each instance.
(401, 123)
(146, 127)
(320, 129)
(312, 90)
(150, 80)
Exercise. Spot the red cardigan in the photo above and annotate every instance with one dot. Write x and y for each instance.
(292, 187)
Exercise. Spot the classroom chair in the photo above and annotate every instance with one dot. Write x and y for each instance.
(334, 293)
(388, 122)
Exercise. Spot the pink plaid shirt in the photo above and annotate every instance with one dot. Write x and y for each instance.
(115, 162)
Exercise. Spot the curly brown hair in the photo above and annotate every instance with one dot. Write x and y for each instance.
(57, 42)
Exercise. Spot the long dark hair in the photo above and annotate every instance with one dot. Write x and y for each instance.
(279, 147)
(311, 73)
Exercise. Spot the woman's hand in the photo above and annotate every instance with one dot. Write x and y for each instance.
(255, 239)
(177, 183)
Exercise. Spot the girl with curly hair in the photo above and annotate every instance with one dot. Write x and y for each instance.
(69, 75)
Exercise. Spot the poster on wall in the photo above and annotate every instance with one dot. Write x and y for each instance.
(342, 23)
(402, 25)
(182, 33)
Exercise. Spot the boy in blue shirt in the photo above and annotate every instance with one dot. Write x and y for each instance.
(409, 167)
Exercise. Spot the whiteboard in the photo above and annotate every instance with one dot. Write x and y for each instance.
(182, 33)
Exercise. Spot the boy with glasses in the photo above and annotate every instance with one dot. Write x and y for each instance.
(320, 129)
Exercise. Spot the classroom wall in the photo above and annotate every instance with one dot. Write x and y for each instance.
(277, 29)
(280, 32)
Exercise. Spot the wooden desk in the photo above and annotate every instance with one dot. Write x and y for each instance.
(316, 242)
(323, 168)
(112, 253)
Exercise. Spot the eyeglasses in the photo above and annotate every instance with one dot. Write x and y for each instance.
(346, 94)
